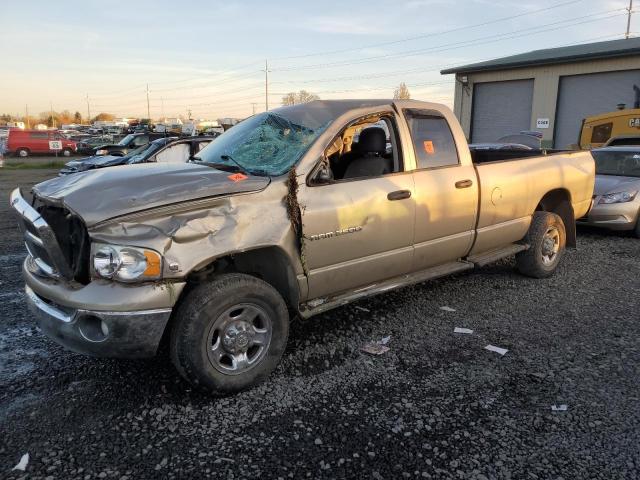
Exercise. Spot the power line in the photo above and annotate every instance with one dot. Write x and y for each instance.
(465, 43)
(430, 35)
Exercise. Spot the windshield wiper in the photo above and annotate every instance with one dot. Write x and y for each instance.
(240, 166)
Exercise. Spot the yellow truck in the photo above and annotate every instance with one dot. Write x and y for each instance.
(607, 128)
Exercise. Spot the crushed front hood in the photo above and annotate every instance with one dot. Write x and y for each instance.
(99, 195)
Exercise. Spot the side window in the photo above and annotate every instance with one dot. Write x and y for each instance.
(201, 145)
(365, 148)
(601, 133)
(175, 154)
(432, 140)
(39, 135)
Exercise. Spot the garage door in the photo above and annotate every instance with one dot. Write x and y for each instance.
(500, 108)
(581, 96)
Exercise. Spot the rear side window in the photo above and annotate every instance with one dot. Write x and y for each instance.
(39, 135)
(601, 133)
(432, 140)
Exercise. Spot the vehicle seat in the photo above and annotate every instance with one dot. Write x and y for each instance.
(370, 161)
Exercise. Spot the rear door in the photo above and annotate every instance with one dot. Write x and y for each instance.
(446, 191)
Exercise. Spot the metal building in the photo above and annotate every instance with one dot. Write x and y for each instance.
(550, 91)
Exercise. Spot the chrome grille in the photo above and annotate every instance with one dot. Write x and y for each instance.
(40, 239)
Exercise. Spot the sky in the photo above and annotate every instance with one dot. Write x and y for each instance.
(208, 57)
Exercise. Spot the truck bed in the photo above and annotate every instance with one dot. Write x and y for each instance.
(480, 156)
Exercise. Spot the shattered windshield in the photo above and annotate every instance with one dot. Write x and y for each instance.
(265, 144)
(624, 164)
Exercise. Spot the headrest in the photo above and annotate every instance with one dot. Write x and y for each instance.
(372, 140)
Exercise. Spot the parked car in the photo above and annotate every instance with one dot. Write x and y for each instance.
(27, 142)
(128, 143)
(623, 140)
(88, 144)
(283, 213)
(163, 150)
(616, 199)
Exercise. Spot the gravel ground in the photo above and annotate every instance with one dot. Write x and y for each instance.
(437, 405)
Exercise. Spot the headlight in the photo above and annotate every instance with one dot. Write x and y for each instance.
(102, 151)
(620, 197)
(126, 264)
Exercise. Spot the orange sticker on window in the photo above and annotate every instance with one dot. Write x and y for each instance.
(237, 177)
(428, 147)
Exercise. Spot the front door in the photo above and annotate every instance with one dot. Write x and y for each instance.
(359, 230)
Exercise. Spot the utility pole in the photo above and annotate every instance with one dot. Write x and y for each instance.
(629, 13)
(253, 104)
(53, 120)
(26, 115)
(148, 111)
(266, 86)
(88, 110)
(162, 106)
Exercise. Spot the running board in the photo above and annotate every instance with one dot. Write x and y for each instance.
(491, 256)
(319, 305)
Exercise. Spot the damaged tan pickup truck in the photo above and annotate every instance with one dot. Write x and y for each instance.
(291, 212)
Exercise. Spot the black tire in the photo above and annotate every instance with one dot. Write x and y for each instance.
(537, 261)
(22, 152)
(195, 321)
(636, 232)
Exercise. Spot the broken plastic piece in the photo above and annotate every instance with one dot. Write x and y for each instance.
(22, 464)
(374, 348)
(447, 309)
(559, 408)
(362, 309)
(468, 331)
(384, 340)
(498, 350)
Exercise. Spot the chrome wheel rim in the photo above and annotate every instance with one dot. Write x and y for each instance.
(239, 338)
(23, 153)
(550, 246)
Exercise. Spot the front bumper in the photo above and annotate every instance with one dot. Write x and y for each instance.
(71, 317)
(614, 216)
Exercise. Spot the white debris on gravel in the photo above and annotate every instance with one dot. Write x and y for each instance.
(362, 309)
(447, 309)
(374, 348)
(22, 464)
(384, 340)
(467, 331)
(498, 350)
(559, 408)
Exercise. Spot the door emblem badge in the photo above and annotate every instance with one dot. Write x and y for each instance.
(336, 233)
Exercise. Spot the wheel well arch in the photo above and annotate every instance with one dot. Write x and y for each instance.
(270, 264)
(558, 201)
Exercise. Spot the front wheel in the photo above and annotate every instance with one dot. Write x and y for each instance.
(22, 152)
(66, 152)
(229, 334)
(546, 238)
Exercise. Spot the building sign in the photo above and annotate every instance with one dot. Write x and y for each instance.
(55, 145)
(542, 123)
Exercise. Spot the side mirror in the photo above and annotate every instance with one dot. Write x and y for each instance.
(324, 174)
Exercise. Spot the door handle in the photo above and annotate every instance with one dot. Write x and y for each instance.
(464, 184)
(399, 195)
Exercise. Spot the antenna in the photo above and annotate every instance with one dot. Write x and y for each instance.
(266, 86)
(629, 13)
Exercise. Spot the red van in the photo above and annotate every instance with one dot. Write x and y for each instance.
(25, 142)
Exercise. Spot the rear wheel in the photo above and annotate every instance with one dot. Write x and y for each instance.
(66, 152)
(229, 334)
(546, 239)
(22, 152)
(637, 230)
